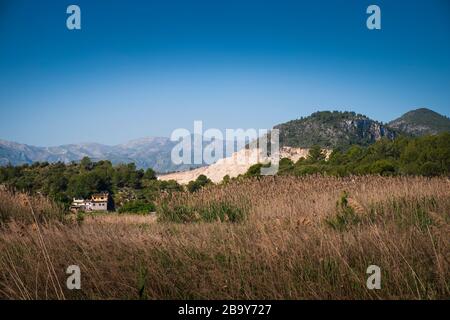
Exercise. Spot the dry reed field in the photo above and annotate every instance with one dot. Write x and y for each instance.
(269, 238)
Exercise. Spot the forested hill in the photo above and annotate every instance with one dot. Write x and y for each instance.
(421, 122)
(331, 129)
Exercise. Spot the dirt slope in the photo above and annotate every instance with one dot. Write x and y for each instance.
(233, 166)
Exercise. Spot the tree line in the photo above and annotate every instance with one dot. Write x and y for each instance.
(425, 156)
(62, 182)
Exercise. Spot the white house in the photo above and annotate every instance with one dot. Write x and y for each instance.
(98, 202)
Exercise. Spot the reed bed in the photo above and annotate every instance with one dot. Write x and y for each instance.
(299, 238)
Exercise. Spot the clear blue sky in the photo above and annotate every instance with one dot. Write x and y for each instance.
(144, 68)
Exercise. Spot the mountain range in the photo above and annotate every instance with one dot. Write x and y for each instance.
(152, 152)
(328, 129)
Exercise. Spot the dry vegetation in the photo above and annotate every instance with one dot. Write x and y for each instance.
(293, 238)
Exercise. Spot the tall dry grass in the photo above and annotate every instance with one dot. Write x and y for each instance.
(287, 247)
(16, 206)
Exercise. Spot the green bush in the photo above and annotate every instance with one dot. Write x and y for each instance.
(383, 167)
(199, 183)
(315, 154)
(254, 170)
(308, 169)
(175, 213)
(345, 215)
(285, 166)
(430, 169)
(137, 206)
(222, 211)
(80, 217)
(226, 179)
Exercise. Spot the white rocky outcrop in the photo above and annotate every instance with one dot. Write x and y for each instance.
(238, 163)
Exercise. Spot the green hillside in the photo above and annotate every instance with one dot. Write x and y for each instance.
(421, 122)
(331, 129)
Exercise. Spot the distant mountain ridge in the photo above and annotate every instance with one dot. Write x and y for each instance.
(149, 152)
(421, 122)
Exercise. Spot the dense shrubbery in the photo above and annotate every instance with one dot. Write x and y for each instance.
(426, 156)
(62, 182)
(199, 183)
(137, 206)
